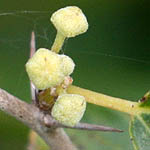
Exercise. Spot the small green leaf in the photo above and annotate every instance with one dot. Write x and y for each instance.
(140, 131)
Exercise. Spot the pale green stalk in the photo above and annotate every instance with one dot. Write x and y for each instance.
(58, 43)
(107, 101)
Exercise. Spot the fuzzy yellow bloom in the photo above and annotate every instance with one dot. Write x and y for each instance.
(70, 21)
(69, 109)
(46, 69)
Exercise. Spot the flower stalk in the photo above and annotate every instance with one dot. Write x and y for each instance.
(58, 43)
(118, 104)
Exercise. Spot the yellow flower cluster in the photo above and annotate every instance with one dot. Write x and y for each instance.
(47, 69)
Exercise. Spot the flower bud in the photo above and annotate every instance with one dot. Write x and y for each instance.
(70, 21)
(69, 109)
(47, 69)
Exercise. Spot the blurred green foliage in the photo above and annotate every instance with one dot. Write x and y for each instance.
(111, 58)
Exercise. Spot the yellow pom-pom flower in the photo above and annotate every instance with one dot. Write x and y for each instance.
(69, 109)
(46, 69)
(70, 21)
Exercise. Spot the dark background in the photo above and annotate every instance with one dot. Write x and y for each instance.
(111, 58)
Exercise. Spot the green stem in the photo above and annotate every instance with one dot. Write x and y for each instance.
(106, 101)
(58, 43)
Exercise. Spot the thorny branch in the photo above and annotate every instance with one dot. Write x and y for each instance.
(49, 129)
(44, 125)
(33, 118)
